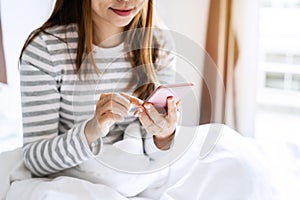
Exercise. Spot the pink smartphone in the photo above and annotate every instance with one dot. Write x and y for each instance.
(159, 96)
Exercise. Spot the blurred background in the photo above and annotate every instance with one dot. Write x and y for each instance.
(255, 45)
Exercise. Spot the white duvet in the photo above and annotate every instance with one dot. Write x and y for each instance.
(206, 162)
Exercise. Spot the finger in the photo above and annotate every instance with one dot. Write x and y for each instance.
(178, 105)
(147, 122)
(153, 130)
(133, 100)
(178, 108)
(116, 98)
(114, 108)
(172, 109)
(109, 118)
(121, 100)
(144, 118)
(119, 109)
(104, 95)
(136, 113)
(154, 115)
(102, 99)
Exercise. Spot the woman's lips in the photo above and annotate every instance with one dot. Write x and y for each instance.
(122, 13)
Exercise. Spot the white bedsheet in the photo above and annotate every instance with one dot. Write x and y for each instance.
(219, 164)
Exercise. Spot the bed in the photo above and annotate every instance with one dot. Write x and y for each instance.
(206, 162)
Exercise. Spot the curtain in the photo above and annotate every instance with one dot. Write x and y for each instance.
(3, 78)
(218, 88)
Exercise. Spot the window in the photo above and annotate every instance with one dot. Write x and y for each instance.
(274, 80)
(296, 82)
(278, 98)
(281, 3)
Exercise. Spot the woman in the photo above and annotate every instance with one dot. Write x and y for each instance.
(62, 129)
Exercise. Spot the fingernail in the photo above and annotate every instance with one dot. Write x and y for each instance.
(147, 106)
(171, 98)
(140, 110)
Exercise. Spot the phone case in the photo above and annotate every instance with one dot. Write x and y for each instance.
(159, 97)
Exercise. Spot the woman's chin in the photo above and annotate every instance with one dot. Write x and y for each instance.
(122, 23)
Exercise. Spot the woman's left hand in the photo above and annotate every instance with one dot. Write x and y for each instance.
(161, 126)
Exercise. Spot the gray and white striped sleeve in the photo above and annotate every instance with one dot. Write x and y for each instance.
(44, 150)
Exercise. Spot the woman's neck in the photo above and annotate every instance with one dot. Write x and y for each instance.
(106, 35)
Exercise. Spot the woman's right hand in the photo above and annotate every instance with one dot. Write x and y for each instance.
(110, 108)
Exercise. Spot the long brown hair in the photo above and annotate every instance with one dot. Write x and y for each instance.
(139, 37)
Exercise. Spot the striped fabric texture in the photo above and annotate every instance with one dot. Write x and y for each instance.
(57, 102)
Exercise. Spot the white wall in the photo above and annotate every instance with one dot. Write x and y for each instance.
(189, 19)
(18, 19)
(246, 16)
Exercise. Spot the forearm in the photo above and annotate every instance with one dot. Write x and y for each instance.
(49, 156)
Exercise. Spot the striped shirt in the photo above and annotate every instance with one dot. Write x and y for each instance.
(57, 103)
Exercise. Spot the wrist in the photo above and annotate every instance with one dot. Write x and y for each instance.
(166, 133)
(163, 142)
(92, 130)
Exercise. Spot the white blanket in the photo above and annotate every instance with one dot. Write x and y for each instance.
(217, 164)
